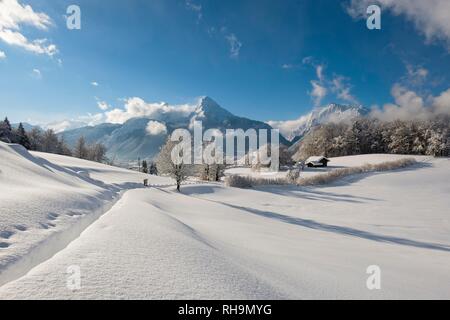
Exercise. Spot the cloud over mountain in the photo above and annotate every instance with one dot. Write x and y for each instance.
(137, 107)
(411, 105)
(155, 128)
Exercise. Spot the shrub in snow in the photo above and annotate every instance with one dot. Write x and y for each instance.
(293, 175)
(236, 181)
(243, 182)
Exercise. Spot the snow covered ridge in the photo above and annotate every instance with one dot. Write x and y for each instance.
(47, 200)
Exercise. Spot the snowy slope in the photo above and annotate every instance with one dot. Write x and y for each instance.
(47, 200)
(272, 242)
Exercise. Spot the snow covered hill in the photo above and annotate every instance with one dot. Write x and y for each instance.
(295, 129)
(46, 200)
(213, 242)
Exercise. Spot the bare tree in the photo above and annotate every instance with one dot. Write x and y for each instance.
(210, 172)
(50, 141)
(81, 150)
(36, 139)
(96, 152)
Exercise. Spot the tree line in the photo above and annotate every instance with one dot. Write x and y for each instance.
(49, 142)
(368, 135)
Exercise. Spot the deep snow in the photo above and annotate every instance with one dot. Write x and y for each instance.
(47, 200)
(270, 242)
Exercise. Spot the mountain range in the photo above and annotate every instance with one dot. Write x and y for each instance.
(143, 136)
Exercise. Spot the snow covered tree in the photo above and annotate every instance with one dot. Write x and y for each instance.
(437, 144)
(5, 131)
(166, 166)
(152, 169)
(21, 137)
(400, 139)
(144, 166)
(375, 136)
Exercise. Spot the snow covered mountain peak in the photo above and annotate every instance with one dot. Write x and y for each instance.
(333, 112)
(209, 108)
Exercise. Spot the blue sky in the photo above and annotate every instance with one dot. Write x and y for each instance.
(257, 58)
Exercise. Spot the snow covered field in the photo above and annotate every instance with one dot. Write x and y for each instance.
(336, 163)
(213, 242)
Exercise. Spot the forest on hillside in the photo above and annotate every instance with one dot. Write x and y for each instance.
(47, 141)
(369, 135)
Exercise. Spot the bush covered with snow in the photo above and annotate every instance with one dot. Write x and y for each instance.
(293, 176)
(244, 182)
(343, 172)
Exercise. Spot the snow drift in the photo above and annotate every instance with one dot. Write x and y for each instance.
(47, 200)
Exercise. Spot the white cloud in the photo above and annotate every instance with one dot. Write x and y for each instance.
(430, 17)
(37, 73)
(2, 55)
(60, 126)
(287, 66)
(289, 128)
(339, 85)
(410, 105)
(319, 72)
(134, 108)
(318, 93)
(342, 89)
(155, 128)
(197, 8)
(235, 45)
(92, 119)
(441, 103)
(137, 107)
(94, 84)
(415, 75)
(70, 124)
(103, 105)
(12, 16)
